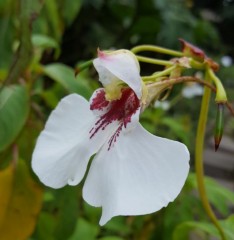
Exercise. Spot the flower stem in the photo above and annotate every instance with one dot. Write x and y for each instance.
(80, 67)
(199, 158)
(171, 81)
(153, 48)
(28, 12)
(154, 61)
(197, 65)
(159, 74)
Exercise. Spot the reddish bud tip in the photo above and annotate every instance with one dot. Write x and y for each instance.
(100, 53)
(213, 65)
(217, 142)
(190, 50)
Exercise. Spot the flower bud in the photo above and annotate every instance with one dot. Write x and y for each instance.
(218, 125)
(190, 50)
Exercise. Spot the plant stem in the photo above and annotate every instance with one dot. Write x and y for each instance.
(159, 74)
(199, 158)
(28, 12)
(80, 67)
(172, 81)
(154, 61)
(153, 48)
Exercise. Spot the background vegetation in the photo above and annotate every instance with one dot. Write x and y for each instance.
(41, 45)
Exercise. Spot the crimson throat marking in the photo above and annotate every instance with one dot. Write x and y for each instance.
(120, 110)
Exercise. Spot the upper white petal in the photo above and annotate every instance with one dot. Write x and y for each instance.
(64, 147)
(99, 111)
(120, 65)
(141, 174)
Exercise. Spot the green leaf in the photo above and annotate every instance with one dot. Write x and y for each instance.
(183, 230)
(44, 42)
(177, 127)
(71, 9)
(228, 226)
(59, 218)
(111, 238)
(66, 77)
(85, 230)
(45, 227)
(118, 224)
(14, 109)
(66, 205)
(218, 195)
(51, 8)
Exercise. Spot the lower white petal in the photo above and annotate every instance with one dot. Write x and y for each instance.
(141, 174)
(64, 147)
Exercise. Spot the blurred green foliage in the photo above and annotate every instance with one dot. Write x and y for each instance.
(42, 42)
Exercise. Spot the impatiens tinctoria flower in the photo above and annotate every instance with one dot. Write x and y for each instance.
(133, 171)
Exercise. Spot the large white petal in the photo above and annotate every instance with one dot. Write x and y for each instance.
(141, 174)
(119, 65)
(64, 147)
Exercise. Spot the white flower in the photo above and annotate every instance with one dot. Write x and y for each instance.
(226, 61)
(133, 171)
(192, 90)
(164, 105)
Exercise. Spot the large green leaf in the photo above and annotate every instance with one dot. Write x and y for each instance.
(44, 42)
(71, 9)
(14, 108)
(183, 230)
(53, 19)
(59, 217)
(67, 205)
(85, 230)
(111, 238)
(218, 195)
(66, 77)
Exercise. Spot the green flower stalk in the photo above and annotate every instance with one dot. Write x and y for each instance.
(158, 49)
(199, 157)
(80, 67)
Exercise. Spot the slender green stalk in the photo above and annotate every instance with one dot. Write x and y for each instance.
(172, 81)
(80, 67)
(199, 158)
(153, 48)
(154, 61)
(159, 74)
(197, 65)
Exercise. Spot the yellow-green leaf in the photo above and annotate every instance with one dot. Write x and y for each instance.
(20, 202)
(6, 180)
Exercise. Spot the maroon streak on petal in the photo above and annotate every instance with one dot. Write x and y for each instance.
(120, 110)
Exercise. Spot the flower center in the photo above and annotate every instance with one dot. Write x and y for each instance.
(120, 110)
